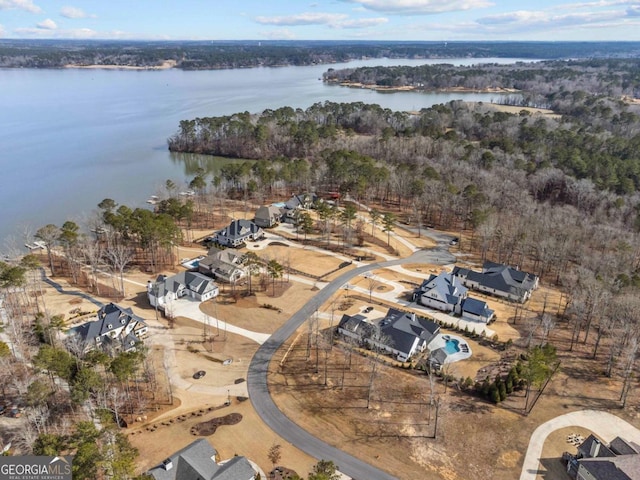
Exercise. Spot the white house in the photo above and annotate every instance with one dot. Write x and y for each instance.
(238, 233)
(399, 333)
(114, 328)
(192, 284)
(223, 265)
(442, 292)
(499, 280)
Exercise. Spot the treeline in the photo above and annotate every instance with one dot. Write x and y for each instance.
(612, 77)
(220, 54)
(596, 139)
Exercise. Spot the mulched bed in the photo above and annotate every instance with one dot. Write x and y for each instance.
(210, 426)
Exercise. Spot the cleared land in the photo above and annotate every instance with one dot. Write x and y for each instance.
(475, 439)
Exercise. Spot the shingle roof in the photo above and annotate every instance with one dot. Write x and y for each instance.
(108, 319)
(237, 468)
(620, 446)
(357, 324)
(499, 277)
(476, 307)
(585, 448)
(439, 356)
(603, 469)
(445, 286)
(196, 459)
(239, 229)
(402, 329)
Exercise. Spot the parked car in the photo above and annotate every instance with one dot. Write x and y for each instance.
(368, 309)
(199, 374)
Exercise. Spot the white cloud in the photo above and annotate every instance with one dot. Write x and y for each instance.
(2, 31)
(540, 19)
(420, 7)
(73, 12)
(303, 19)
(26, 5)
(333, 20)
(361, 23)
(47, 24)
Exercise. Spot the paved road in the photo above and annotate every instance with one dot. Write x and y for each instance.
(258, 369)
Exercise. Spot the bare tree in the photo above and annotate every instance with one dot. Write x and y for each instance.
(93, 254)
(49, 236)
(372, 283)
(119, 256)
(629, 356)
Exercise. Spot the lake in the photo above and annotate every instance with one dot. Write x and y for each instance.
(70, 138)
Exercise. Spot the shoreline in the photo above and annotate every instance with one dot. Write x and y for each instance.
(166, 65)
(410, 88)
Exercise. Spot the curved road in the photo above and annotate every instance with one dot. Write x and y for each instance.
(259, 368)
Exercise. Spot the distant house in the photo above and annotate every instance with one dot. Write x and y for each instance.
(238, 233)
(167, 289)
(620, 460)
(223, 265)
(296, 203)
(303, 201)
(197, 461)
(115, 328)
(399, 333)
(499, 280)
(268, 216)
(446, 293)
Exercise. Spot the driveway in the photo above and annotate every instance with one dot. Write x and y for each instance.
(603, 424)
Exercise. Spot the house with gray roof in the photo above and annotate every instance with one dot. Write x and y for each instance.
(296, 203)
(223, 265)
(399, 333)
(443, 292)
(499, 280)
(184, 284)
(356, 327)
(197, 461)
(114, 329)
(620, 460)
(238, 233)
(268, 216)
(476, 310)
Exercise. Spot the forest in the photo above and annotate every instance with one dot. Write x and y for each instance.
(554, 193)
(192, 55)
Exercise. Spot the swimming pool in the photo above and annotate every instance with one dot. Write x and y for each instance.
(451, 346)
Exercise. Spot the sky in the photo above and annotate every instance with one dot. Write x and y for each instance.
(415, 20)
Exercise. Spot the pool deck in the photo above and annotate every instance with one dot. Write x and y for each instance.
(440, 342)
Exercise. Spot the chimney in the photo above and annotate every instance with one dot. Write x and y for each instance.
(167, 464)
(595, 448)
